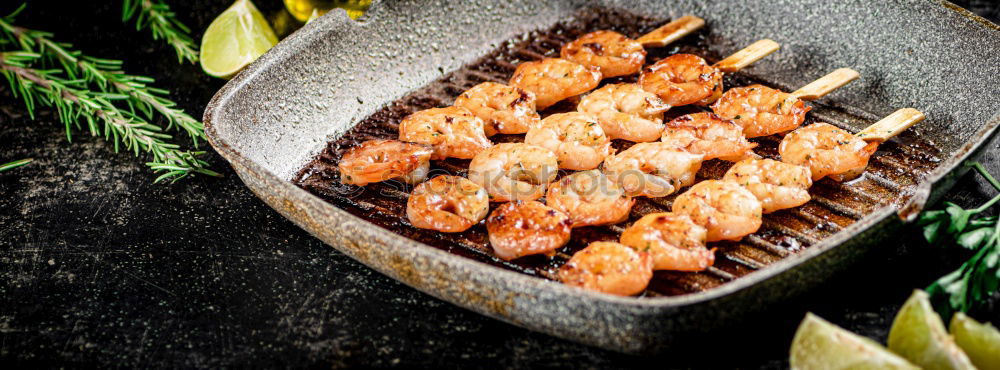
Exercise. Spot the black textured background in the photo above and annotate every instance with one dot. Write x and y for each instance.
(99, 267)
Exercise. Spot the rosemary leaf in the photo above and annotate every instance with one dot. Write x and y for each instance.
(106, 74)
(157, 16)
(15, 164)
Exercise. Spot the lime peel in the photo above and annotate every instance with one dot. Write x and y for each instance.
(981, 342)
(236, 38)
(819, 344)
(918, 334)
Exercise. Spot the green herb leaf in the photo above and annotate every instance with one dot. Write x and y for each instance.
(979, 277)
(959, 218)
(975, 238)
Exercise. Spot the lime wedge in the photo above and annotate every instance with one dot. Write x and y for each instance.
(235, 39)
(818, 344)
(918, 334)
(980, 341)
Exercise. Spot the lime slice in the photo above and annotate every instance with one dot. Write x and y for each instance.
(818, 344)
(980, 341)
(235, 39)
(918, 334)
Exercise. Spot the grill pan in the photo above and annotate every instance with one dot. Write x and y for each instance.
(285, 121)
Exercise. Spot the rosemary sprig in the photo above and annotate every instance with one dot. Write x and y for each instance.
(15, 164)
(107, 75)
(75, 104)
(979, 277)
(157, 16)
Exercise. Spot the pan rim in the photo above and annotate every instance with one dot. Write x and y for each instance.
(305, 36)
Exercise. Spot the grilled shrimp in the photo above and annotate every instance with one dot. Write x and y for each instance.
(514, 171)
(683, 79)
(448, 204)
(518, 229)
(761, 110)
(612, 53)
(626, 111)
(589, 198)
(380, 160)
(777, 185)
(727, 210)
(827, 151)
(674, 241)
(452, 131)
(576, 138)
(708, 134)
(608, 267)
(554, 79)
(503, 109)
(652, 169)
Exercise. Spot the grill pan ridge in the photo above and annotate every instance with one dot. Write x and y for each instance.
(322, 85)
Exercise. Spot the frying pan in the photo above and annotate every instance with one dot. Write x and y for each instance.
(337, 80)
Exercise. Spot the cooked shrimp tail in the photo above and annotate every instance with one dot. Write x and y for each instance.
(826, 84)
(670, 32)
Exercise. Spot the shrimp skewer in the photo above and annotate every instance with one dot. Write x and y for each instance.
(763, 111)
(592, 57)
(829, 151)
(614, 54)
(683, 79)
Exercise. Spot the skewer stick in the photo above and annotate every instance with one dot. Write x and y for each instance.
(891, 125)
(826, 84)
(747, 56)
(671, 32)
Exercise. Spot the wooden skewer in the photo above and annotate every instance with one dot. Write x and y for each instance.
(671, 32)
(826, 84)
(747, 56)
(891, 125)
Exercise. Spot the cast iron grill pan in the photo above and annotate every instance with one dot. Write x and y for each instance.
(892, 172)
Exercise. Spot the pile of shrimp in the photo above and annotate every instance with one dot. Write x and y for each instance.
(534, 210)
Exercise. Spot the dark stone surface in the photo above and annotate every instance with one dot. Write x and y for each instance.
(100, 267)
